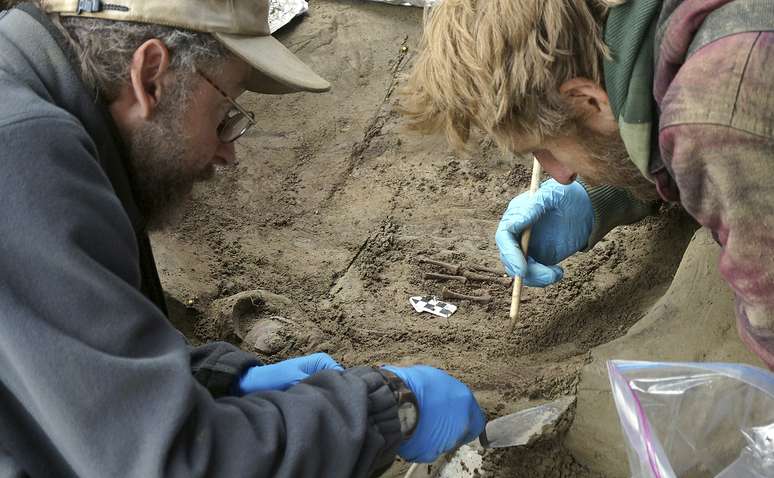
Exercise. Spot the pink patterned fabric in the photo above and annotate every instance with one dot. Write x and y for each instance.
(716, 137)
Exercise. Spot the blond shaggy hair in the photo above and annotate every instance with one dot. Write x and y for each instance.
(497, 65)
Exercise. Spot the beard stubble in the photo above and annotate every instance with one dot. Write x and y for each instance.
(161, 155)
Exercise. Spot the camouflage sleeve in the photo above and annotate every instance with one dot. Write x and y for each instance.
(717, 139)
(724, 176)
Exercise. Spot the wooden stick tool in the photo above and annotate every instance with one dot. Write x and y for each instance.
(534, 184)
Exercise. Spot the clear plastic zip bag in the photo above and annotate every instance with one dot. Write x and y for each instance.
(695, 420)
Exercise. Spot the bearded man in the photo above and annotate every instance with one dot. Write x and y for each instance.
(640, 99)
(110, 113)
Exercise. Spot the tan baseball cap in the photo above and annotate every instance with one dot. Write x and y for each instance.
(241, 25)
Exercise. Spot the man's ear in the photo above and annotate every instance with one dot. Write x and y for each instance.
(590, 104)
(150, 63)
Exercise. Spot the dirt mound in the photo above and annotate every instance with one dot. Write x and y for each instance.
(698, 304)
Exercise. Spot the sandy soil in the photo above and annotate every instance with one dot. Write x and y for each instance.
(333, 203)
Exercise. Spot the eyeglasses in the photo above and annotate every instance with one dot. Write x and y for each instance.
(237, 121)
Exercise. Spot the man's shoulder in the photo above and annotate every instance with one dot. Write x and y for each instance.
(726, 83)
(27, 120)
(22, 106)
(44, 147)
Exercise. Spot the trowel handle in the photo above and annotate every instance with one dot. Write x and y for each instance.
(483, 439)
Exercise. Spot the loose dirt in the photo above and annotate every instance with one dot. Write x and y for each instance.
(332, 205)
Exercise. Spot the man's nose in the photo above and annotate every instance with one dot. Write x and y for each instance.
(225, 155)
(561, 173)
(563, 177)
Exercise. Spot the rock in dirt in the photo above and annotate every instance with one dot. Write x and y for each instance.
(266, 323)
(693, 321)
(265, 336)
(254, 316)
(243, 310)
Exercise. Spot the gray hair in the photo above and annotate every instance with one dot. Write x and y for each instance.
(105, 47)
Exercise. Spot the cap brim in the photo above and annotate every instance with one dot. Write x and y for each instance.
(275, 69)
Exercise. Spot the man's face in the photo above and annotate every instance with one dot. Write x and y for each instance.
(179, 145)
(592, 147)
(598, 158)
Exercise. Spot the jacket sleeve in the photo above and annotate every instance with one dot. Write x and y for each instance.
(218, 366)
(717, 139)
(106, 381)
(615, 207)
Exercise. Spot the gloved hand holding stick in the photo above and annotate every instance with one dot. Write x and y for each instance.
(537, 172)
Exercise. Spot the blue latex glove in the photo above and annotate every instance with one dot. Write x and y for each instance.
(285, 374)
(561, 218)
(449, 415)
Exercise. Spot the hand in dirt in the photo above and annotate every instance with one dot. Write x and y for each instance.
(285, 374)
(561, 218)
(449, 415)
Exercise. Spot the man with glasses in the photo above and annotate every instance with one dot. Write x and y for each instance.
(109, 116)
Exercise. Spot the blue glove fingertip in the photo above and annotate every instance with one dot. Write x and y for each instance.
(539, 275)
(514, 263)
(318, 362)
(510, 269)
(558, 273)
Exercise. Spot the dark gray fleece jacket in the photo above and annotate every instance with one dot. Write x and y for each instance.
(94, 381)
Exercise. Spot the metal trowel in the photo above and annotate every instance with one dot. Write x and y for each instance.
(517, 429)
(524, 427)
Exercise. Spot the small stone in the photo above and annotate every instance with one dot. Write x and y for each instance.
(264, 336)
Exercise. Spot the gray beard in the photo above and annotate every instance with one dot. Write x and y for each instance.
(159, 151)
